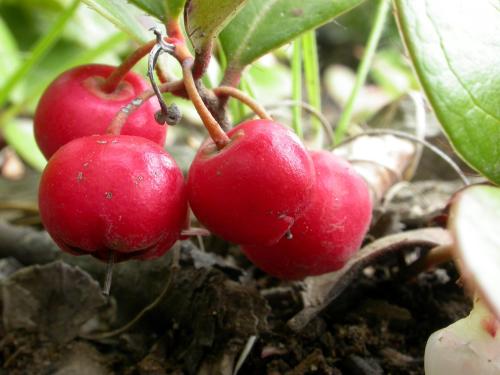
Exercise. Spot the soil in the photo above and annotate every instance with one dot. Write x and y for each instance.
(219, 312)
(379, 325)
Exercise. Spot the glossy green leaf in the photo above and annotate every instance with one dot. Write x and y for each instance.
(263, 25)
(474, 223)
(172, 9)
(205, 19)
(122, 15)
(455, 51)
(19, 134)
(154, 8)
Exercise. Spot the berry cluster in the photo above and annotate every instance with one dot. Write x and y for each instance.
(295, 213)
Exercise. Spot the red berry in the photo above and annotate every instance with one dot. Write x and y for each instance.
(254, 189)
(75, 106)
(113, 193)
(330, 230)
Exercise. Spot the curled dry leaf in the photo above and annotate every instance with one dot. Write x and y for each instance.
(382, 160)
(322, 290)
(54, 299)
(474, 223)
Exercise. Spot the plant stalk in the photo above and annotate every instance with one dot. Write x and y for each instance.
(244, 98)
(363, 69)
(297, 87)
(111, 82)
(215, 131)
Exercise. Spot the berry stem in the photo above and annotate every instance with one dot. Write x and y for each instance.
(174, 30)
(109, 274)
(162, 76)
(244, 98)
(111, 83)
(151, 306)
(116, 125)
(214, 129)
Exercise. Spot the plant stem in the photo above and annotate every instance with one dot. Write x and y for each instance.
(413, 138)
(174, 29)
(109, 85)
(151, 306)
(323, 121)
(244, 98)
(214, 130)
(363, 69)
(109, 274)
(116, 125)
(312, 78)
(41, 48)
(297, 87)
(162, 76)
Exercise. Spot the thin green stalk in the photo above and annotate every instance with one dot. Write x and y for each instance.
(363, 69)
(239, 105)
(41, 48)
(312, 78)
(221, 56)
(80, 59)
(297, 87)
(247, 87)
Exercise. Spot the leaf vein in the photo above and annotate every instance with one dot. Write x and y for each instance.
(452, 70)
(253, 26)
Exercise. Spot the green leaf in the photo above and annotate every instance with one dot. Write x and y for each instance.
(9, 53)
(19, 134)
(264, 25)
(154, 8)
(174, 8)
(122, 15)
(205, 19)
(474, 223)
(38, 52)
(454, 48)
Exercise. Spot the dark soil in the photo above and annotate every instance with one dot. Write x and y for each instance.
(378, 326)
(216, 303)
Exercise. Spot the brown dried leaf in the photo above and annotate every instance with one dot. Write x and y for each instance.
(322, 290)
(54, 299)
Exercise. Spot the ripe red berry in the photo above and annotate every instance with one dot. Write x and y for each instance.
(254, 189)
(74, 106)
(330, 230)
(106, 193)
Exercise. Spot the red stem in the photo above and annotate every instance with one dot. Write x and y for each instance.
(111, 83)
(174, 30)
(244, 98)
(202, 60)
(214, 129)
(116, 125)
(162, 76)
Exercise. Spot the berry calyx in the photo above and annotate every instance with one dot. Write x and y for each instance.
(331, 229)
(76, 105)
(252, 190)
(107, 193)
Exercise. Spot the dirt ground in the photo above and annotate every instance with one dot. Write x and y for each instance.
(218, 313)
